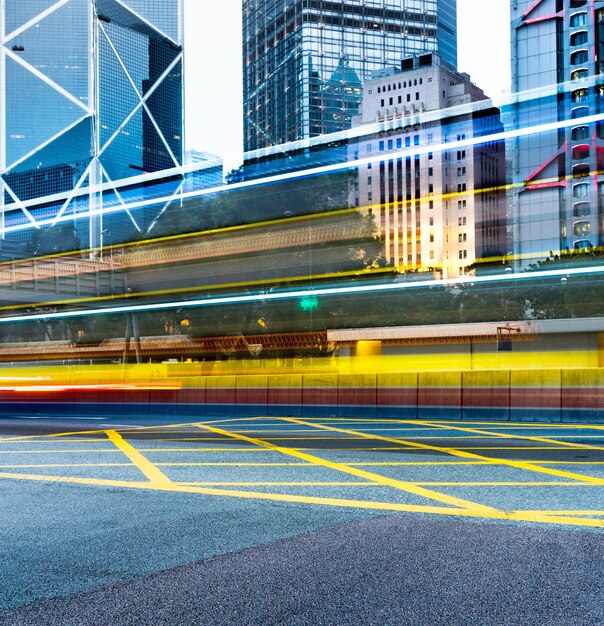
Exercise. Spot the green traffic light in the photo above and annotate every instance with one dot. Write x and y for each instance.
(309, 303)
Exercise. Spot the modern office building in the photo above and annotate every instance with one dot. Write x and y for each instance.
(91, 91)
(558, 78)
(304, 61)
(435, 189)
(204, 170)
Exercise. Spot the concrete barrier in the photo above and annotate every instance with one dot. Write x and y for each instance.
(357, 395)
(552, 395)
(284, 395)
(396, 395)
(535, 395)
(251, 395)
(439, 395)
(485, 395)
(582, 395)
(320, 395)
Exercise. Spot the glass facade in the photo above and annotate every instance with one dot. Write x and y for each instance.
(304, 61)
(557, 79)
(91, 92)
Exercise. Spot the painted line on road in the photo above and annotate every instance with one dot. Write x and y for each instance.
(549, 440)
(154, 474)
(332, 502)
(461, 453)
(341, 467)
(65, 465)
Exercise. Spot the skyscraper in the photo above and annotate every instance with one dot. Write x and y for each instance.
(304, 61)
(558, 76)
(90, 92)
(436, 208)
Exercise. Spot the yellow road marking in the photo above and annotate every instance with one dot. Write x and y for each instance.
(55, 465)
(421, 483)
(460, 453)
(51, 451)
(476, 431)
(490, 461)
(340, 467)
(234, 464)
(349, 483)
(155, 475)
(275, 497)
(573, 513)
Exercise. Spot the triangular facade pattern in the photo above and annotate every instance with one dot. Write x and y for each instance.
(90, 89)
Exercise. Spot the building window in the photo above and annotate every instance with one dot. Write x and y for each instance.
(390, 144)
(580, 57)
(580, 229)
(382, 102)
(578, 19)
(581, 190)
(578, 39)
(580, 152)
(579, 74)
(399, 142)
(580, 95)
(580, 133)
(581, 209)
(381, 146)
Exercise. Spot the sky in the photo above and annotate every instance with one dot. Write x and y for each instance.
(213, 74)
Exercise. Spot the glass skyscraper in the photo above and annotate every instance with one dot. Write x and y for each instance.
(558, 79)
(91, 91)
(304, 61)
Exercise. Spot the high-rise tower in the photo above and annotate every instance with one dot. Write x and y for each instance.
(558, 76)
(90, 92)
(304, 61)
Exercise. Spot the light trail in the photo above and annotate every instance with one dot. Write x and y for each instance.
(317, 171)
(302, 293)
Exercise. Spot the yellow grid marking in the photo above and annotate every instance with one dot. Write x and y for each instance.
(455, 452)
(348, 483)
(567, 444)
(159, 482)
(575, 513)
(280, 497)
(155, 475)
(56, 465)
(341, 467)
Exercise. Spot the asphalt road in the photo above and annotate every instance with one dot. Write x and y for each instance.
(315, 521)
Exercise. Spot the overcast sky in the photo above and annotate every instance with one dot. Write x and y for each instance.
(213, 66)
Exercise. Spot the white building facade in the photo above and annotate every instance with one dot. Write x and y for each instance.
(437, 207)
